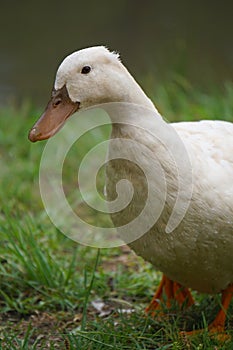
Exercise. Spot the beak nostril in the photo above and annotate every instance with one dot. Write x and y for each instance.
(57, 102)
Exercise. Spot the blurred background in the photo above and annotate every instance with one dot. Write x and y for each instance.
(155, 39)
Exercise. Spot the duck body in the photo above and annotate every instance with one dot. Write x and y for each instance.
(199, 252)
(189, 167)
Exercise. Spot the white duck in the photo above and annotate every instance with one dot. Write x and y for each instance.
(198, 253)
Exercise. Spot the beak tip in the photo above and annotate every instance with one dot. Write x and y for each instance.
(32, 135)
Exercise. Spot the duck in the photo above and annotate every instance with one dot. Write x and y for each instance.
(181, 172)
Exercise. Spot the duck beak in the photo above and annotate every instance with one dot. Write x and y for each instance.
(59, 108)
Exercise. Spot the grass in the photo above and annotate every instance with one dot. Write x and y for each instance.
(56, 294)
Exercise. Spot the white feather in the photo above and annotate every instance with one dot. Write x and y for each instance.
(199, 252)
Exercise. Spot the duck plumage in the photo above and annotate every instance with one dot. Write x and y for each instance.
(198, 252)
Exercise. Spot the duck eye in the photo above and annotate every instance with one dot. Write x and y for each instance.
(86, 69)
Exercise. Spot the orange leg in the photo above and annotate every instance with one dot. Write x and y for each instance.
(217, 326)
(219, 322)
(173, 291)
(182, 294)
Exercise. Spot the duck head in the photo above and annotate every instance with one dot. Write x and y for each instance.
(85, 78)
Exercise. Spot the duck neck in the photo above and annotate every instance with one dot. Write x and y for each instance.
(127, 92)
(136, 109)
(135, 95)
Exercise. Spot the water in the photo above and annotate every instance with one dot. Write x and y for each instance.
(193, 38)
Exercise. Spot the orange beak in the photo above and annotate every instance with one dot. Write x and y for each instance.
(59, 108)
